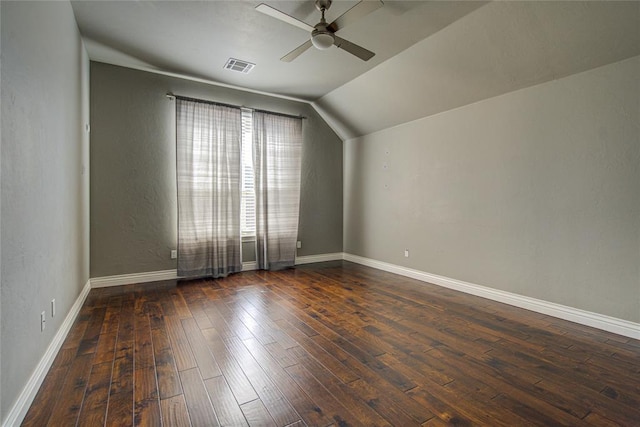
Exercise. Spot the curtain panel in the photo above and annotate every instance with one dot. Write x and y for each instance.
(277, 144)
(208, 166)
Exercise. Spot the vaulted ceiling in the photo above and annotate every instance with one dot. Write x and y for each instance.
(431, 56)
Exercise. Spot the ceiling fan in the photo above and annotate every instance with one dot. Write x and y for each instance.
(322, 34)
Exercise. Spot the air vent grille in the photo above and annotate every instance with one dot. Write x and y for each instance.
(239, 65)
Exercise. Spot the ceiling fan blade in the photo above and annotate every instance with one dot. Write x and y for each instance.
(356, 12)
(275, 13)
(353, 48)
(296, 52)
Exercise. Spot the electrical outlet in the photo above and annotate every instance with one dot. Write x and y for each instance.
(43, 320)
(298, 244)
(53, 307)
(174, 254)
(406, 253)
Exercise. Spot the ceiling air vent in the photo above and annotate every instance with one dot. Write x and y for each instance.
(239, 65)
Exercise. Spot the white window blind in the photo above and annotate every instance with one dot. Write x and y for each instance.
(248, 204)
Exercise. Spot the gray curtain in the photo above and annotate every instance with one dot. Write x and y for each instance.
(208, 168)
(277, 144)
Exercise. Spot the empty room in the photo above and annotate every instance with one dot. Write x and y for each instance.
(320, 213)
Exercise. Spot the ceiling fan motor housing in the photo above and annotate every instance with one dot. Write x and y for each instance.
(323, 4)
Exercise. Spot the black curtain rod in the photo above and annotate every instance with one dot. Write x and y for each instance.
(204, 101)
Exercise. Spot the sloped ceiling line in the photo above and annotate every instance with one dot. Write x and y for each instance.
(496, 49)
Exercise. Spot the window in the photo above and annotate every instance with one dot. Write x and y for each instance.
(248, 203)
(224, 197)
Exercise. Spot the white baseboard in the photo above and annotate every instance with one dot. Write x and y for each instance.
(154, 276)
(25, 399)
(600, 321)
(129, 279)
(306, 259)
(310, 259)
(595, 320)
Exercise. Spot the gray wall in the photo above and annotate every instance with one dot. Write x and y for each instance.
(45, 181)
(133, 190)
(535, 192)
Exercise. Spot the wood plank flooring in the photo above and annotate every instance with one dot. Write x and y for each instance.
(330, 344)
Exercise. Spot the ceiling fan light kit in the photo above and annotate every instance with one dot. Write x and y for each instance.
(323, 34)
(322, 40)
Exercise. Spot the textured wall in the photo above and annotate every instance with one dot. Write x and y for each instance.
(45, 181)
(535, 192)
(133, 190)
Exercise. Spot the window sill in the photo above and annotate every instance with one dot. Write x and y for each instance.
(248, 239)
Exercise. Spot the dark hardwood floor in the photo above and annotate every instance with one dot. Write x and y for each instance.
(330, 344)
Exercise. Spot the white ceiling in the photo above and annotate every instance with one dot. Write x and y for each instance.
(431, 56)
(196, 38)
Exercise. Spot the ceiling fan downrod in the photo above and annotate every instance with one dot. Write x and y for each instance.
(323, 5)
(321, 37)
